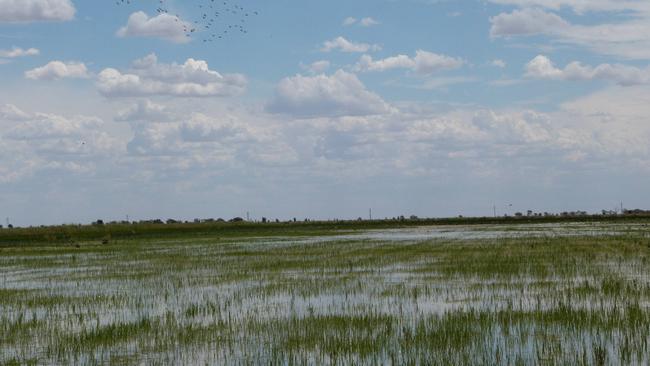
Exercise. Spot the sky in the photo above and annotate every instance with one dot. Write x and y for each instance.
(321, 109)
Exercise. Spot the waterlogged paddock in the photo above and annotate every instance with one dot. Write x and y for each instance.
(519, 294)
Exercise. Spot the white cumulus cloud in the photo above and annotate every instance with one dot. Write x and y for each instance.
(317, 67)
(12, 113)
(541, 67)
(626, 37)
(55, 70)
(19, 52)
(25, 11)
(163, 26)
(144, 110)
(423, 62)
(149, 77)
(363, 22)
(349, 21)
(344, 45)
(50, 137)
(202, 128)
(368, 22)
(582, 6)
(341, 94)
(526, 22)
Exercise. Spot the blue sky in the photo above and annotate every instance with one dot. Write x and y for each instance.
(322, 109)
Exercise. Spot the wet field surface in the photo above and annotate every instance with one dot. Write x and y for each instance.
(571, 293)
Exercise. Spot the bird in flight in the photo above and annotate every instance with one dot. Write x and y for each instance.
(213, 20)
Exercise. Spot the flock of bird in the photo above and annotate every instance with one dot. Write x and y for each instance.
(216, 20)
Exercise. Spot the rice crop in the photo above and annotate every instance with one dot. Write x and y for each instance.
(555, 294)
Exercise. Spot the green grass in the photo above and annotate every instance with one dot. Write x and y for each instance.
(73, 234)
(215, 298)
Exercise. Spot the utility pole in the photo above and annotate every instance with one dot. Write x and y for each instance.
(622, 212)
(494, 208)
(248, 218)
(370, 213)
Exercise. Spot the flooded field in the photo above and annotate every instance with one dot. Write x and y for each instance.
(576, 293)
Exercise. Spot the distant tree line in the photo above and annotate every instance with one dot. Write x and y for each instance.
(401, 218)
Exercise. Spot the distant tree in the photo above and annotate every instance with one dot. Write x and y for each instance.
(10, 226)
(99, 222)
(236, 219)
(264, 220)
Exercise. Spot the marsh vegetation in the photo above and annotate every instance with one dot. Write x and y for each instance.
(511, 294)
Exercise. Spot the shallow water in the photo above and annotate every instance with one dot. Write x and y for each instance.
(470, 232)
(474, 232)
(368, 292)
